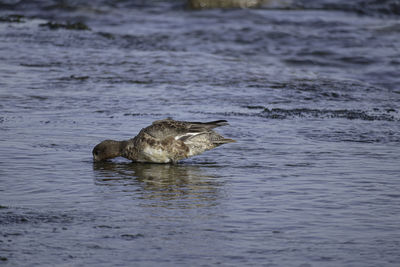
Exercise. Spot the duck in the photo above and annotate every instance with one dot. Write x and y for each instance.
(164, 141)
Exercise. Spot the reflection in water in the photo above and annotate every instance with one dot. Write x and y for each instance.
(183, 186)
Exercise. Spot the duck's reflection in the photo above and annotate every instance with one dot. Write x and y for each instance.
(162, 184)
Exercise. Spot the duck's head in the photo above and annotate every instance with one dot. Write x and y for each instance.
(107, 149)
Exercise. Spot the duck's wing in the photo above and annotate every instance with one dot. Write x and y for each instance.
(181, 129)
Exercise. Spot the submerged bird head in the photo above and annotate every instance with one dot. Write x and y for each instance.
(107, 149)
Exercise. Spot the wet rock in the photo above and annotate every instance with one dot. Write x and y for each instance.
(12, 18)
(81, 78)
(131, 236)
(103, 226)
(106, 35)
(69, 26)
(255, 107)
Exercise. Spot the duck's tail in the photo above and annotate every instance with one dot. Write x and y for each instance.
(201, 126)
(224, 141)
(217, 123)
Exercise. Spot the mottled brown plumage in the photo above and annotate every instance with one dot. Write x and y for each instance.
(165, 141)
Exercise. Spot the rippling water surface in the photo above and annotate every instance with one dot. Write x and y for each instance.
(311, 91)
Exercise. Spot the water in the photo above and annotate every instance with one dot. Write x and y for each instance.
(311, 91)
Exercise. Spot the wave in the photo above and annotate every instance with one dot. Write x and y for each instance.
(307, 113)
(364, 7)
(279, 113)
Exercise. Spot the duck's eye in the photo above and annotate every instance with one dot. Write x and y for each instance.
(96, 152)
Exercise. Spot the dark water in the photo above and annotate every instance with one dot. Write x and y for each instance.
(310, 88)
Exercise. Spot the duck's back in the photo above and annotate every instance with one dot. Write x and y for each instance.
(169, 140)
(179, 129)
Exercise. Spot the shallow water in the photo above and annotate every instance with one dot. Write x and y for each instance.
(311, 91)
